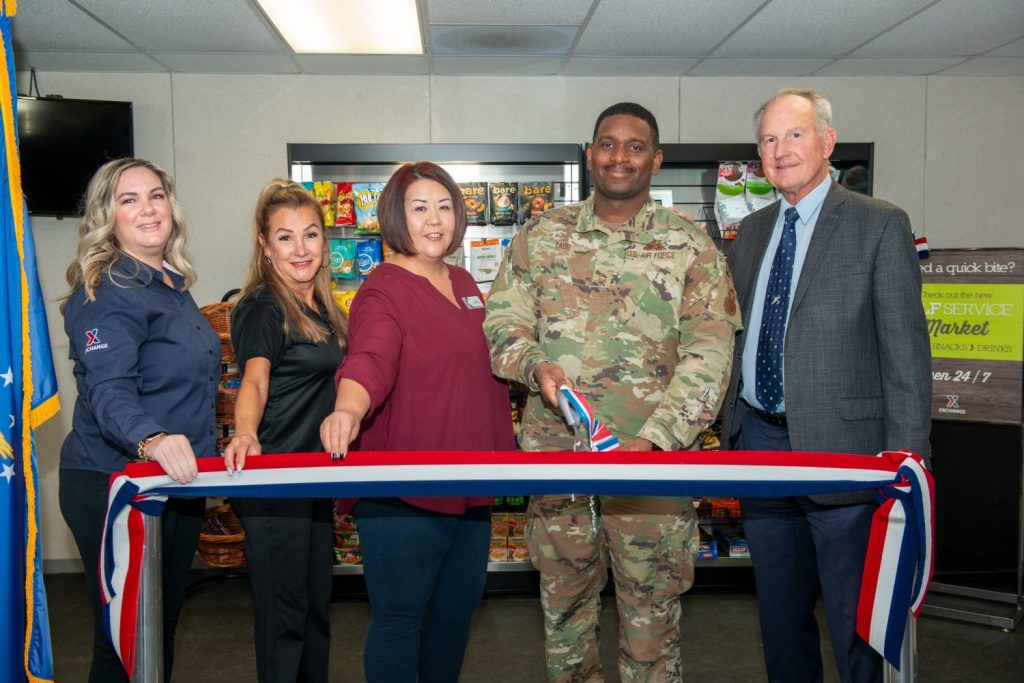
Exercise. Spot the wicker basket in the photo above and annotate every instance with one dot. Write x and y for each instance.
(225, 406)
(222, 540)
(219, 317)
(227, 350)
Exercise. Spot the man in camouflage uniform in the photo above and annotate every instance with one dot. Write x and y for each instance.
(635, 308)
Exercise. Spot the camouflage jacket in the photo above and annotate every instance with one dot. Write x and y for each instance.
(641, 316)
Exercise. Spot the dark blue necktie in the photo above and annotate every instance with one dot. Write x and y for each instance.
(773, 319)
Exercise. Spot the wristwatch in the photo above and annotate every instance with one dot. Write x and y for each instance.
(141, 453)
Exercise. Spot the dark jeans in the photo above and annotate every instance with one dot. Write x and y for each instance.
(289, 552)
(83, 502)
(425, 574)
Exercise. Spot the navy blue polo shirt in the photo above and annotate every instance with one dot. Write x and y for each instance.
(145, 361)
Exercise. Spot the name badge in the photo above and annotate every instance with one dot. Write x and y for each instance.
(472, 302)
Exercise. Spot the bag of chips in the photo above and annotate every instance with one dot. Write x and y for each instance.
(368, 256)
(345, 215)
(366, 196)
(484, 259)
(758, 193)
(503, 203)
(324, 192)
(343, 259)
(475, 197)
(344, 298)
(730, 206)
(535, 199)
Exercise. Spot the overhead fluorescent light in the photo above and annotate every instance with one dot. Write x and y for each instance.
(375, 27)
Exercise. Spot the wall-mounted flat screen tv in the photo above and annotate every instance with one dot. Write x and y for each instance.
(62, 143)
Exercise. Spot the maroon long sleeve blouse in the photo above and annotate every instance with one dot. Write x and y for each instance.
(425, 364)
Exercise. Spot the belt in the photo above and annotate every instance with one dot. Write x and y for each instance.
(777, 419)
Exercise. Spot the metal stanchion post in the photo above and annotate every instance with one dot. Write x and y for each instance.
(908, 657)
(149, 639)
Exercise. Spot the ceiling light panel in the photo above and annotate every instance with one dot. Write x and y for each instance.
(347, 26)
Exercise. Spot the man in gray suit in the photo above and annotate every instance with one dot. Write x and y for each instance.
(834, 357)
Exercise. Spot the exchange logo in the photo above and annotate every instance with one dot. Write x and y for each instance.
(92, 340)
(952, 405)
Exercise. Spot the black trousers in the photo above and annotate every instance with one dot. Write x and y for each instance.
(83, 503)
(289, 552)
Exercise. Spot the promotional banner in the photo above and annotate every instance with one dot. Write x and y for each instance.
(974, 302)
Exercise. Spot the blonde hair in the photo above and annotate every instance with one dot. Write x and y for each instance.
(98, 247)
(283, 193)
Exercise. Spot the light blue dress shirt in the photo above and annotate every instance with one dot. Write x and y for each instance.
(809, 208)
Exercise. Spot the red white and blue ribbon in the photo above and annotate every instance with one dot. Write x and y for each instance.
(921, 244)
(899, 561)
(578, 412)
(899, 564)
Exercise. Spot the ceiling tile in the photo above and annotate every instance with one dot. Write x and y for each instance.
(988, 66)
(951, 28)
(888, 66)
(742, 66)
(501, 40)
(189, 25)
(651, 28)
(627, 66)
(794, 28)
(59, 25)
(371, 65)
(520, 12)
(1014, 49)
(54, 60)
(226, 63)
(496, 66)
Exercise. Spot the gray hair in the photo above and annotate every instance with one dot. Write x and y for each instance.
(822, 109)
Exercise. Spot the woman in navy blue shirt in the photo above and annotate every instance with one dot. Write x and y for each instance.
(146, 367)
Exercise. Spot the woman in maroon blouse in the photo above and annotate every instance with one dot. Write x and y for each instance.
(417, 378)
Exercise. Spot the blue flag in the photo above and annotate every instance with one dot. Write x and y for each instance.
(28, 396)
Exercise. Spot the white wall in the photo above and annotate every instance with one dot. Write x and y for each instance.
(945, 150)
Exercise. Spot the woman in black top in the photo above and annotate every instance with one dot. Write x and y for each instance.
(146, 371)
(289, 337)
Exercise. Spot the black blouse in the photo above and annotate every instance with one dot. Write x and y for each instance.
(301, 392)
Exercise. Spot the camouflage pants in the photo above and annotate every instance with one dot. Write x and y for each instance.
(652, 544)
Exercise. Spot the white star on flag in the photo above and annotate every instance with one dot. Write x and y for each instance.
(8, 377)
(8, 473)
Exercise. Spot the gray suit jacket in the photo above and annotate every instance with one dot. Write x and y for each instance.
(857, 361)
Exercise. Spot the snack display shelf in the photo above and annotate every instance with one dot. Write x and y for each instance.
(357, 569)
(349, 233)
(725, 562)
(505, 169)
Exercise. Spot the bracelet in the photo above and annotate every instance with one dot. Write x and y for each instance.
(141, 453)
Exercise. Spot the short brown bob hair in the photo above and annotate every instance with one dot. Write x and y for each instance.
(391, 206)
